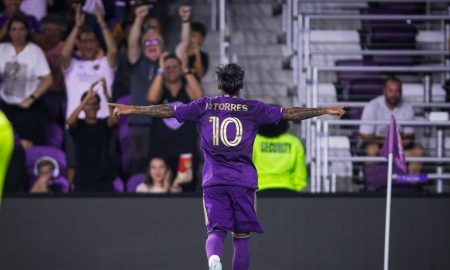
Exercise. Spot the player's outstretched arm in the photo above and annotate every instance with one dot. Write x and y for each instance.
(160, 111)
(297, 113)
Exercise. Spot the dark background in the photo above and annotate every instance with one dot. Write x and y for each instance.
(301, 232)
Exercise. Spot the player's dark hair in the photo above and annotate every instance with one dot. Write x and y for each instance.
(392, 79)
(230, 78)
(148, 178)
(96, 96)
(274, 130)
(199, 28)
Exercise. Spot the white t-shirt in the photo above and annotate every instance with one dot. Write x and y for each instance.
(79, 77)
(377, 109)
(20, 73)
(144, 188)
(37, 8)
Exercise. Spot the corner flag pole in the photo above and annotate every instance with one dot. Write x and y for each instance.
(393, 151)
(388, 211)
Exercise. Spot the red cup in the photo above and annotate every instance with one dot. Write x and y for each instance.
(185, 162)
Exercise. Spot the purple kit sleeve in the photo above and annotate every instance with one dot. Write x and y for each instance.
(268, 114)
(188, 112)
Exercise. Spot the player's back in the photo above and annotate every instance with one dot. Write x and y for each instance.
(228, 126)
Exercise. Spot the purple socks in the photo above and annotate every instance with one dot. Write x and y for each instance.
(214, 243)
(241, 255)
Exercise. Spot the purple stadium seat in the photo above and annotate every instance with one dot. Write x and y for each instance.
(55, 135)
(119, 185)
(365, 89)
(124, 137)
(345, 77)
(134, 181)
(375, 177)
(61, 184)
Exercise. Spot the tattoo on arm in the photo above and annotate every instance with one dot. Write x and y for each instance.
(160, 111)
(296, 113)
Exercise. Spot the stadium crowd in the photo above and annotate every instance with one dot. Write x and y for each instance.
(62, 61)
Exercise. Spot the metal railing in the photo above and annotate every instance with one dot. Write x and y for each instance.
(322, 177)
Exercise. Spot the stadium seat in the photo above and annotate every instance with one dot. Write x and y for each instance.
(124, 137)
(340, 147)
(134, 181)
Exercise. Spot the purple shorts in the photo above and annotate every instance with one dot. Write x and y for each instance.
(231, 208)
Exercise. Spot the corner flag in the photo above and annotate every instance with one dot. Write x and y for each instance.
(393, 144)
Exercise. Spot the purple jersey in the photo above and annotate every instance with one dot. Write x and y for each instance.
(228, 126)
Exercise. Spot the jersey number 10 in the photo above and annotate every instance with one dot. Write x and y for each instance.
(222, 132)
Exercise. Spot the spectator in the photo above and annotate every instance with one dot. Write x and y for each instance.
(121, 86)
(92, 138)
(52, 42)
(46, 171)
(381, 108)
(144, 52)
(198, 59)
(91, 63)
(69, 9)
(12, 8)
(158, 176)
(25, 77)
(274, 143)
(174, 85)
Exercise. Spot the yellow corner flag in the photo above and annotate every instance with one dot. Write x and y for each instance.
(6, 148)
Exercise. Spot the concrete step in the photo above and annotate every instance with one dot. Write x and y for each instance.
(256, 62)
(258, 50)
(251, 9)
(268, 76)
(256, 23)
(254, 37)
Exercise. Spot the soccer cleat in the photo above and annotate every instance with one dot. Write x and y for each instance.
(215, 265)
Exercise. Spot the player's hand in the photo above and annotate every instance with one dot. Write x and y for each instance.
(185, 12)
(141, 12)
(120, 109)
(337, 110)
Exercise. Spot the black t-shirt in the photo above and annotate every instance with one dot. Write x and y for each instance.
(92, 146)
(169, 137)
(205, 60)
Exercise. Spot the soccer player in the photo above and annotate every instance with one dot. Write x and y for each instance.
(228, 125)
